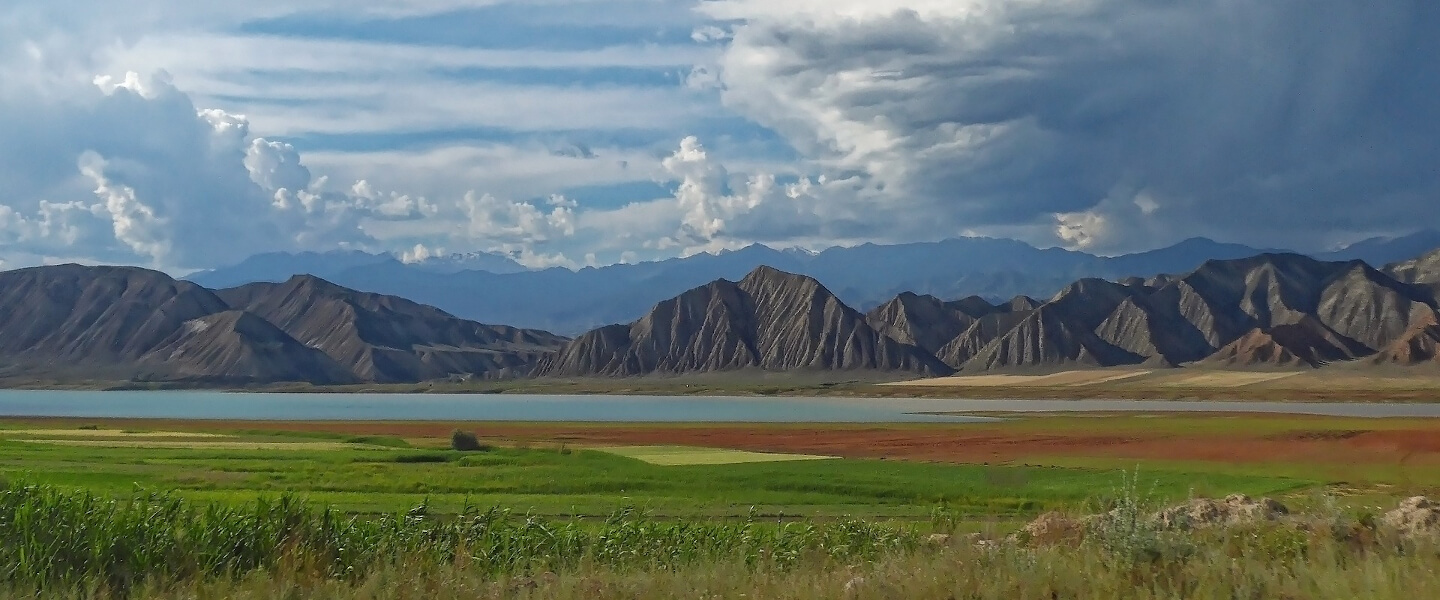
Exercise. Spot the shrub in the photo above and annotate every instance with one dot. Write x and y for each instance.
(465, 441)
(1128, 533)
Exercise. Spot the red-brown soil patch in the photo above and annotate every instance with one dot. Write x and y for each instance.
(1404, 441)
(940, 443)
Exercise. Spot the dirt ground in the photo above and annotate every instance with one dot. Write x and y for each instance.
(1253, 440)
(1331, 384)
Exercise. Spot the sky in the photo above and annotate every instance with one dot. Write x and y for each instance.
(183, 135)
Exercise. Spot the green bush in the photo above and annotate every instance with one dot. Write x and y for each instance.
(465, 441)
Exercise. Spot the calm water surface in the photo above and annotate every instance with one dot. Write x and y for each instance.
(601, 408)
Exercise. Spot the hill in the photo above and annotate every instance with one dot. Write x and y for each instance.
(1278, 310)
(769, 320)
(72, 322)
(389, 339)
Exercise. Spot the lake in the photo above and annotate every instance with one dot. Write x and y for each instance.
(606, 408)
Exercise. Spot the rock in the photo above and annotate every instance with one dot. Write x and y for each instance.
(937, 539)
(1235, 509)
(1054, 528)
(1415, 516)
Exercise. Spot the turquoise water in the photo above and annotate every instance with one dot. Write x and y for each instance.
(448, 407)
(604, 408)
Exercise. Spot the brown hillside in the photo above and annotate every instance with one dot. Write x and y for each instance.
(926, 321)
(238, 347)
(1419, 345)
(390, 339)
(1307, 343)
(769, 320)
(94, 315)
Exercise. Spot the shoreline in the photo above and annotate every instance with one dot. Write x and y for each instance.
(1317, 391)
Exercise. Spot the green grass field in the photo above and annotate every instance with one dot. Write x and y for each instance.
(369, 474)
(203, 510)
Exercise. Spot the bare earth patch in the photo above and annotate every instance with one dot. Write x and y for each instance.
(1065, 378)
(208, 445)
(105, 433)
(1226, 379)
(687, 455)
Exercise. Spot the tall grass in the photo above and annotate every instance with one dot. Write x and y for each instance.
(1228, 566)
(51, 538)
(61, 544)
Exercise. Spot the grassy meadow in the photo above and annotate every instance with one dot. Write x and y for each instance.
(371, 510)
(386, 474)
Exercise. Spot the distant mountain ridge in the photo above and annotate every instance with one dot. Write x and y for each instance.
(388, 339)
(769, 320)
(74, 322)
(1271, 310)
(1282, 310)
(865, 276)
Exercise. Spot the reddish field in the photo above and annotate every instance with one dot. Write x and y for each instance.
(1242, 440)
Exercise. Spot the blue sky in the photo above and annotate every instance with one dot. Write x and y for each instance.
(188, 135)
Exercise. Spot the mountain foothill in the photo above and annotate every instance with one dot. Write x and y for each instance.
(1268, 310)
(72, 322)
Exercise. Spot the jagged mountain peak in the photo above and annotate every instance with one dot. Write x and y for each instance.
(923, 320)
(313, 284)
(1285, 262)
(973, 306)
(765, 275)
(1091, 288)
(771, 320)
(1423, 270)
(1048, 337)
(1020, 303)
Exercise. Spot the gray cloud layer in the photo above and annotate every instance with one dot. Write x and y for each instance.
(1110, 125)
(1115, 124)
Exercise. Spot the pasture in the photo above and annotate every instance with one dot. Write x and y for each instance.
(357, 475)
(217, 509)
(999, 472)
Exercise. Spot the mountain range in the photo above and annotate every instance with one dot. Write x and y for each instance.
(71, 322)
(492, 288)
(1270, 310)
(769, 320)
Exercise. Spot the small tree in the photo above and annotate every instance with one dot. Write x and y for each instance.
(465, 441)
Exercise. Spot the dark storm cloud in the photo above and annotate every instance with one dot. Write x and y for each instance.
(1286, 121)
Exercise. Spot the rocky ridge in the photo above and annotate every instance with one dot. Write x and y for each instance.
(1281, 311)
(1271, 310)
(769, 320)
(388, 339)
(76, 322)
